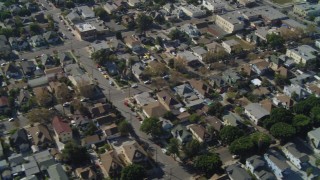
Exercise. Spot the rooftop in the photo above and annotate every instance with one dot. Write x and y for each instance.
(85, 27)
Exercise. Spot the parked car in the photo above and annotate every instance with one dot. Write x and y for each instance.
(134, 85)
(11, 119)
(147, 82)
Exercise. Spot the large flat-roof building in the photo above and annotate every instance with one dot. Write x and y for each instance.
(302, 54)
(307, 9)
(230, 22)
(86, 31)
(193, 11)
(214, 5)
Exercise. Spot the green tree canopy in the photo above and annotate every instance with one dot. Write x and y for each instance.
(102, 56)
(192, 148)
(230, 133)
(315, 116)
(262, 141)
(208, 164)
(133, 172)
(101, 13)
(193, 118)
(305, 106)
(124, 127)
(275, 41)
(40, 115)
(151, 126)
(35, 28)
(173, 146)
(144, 22)
(302, 123)
(242, 146)
(282, 131)
(74, 154)
(216, 109)
(278, 115)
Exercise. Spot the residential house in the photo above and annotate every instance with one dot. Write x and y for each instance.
(217, 82)
(86, 31)
(314, 138)
(6, 174)
(313, 89)
(47, 61)
(144, 98)
(307, 9)
(191, 30)
(56, 171)
(294, 155)
(230, 45)
(133, 43)
(262, 33)
(232, 119)
(132, 152)
(89, 141)
(267, 104)
(295, 91)
(230, 76)
(28, 67)
(100, 110)
(11, 71)
(259, 66)
(199, 133)
(247, 3)
(110, 7)
(277, 163)
(44, 159)
(230, 22)
(189, 58)
(18, 43)
(19, 141)
(200, 52)
(51, 37)
(282, 101)
(236, 172)
(37, 41)
(105, 120)
(215, 6)
(62, 129)
(201, 88)
(255, 112)
(181, 133)
(74, 18)
(154, 109)
(133, 3)
(137, 70)
(193, 11)
(302, 54)
(65, 58)
(5, 48)
(111, 165)
(317, 43)
(86, 173)
(166, 98)
(214, 122)
(190, 98)
(261, 91)
(40, 136)
(111, 131)
(166, 124)
(256, 165)
(86, 12)
(84, 85)
(4, 164)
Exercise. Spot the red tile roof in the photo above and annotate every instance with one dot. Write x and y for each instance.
(60, 126)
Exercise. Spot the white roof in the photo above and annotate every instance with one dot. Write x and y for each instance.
(85, 27)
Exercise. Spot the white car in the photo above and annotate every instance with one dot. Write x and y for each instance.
(11, 119)
(66, 104)
(147, 82)
(3, 64)
(134, 85)
(111, 83)
(100, 69)
(84, 99)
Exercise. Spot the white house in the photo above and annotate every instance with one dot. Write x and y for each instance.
(193, 11)
(277, 163)
(255, 112)
(295, 157)
(299, 91)
(302, 54)
(230, 45)
(256, 165)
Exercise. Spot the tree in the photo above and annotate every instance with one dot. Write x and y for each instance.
(24, 12)
(151, 126)
(5, 14)
(305, 106)
(302, 123)
(315, 116)
(8, 32)
(102, 56)
(173, 146)
(74, 154)
(208, 164)
(124, 127)
(144, 22)
(40, 115)
(275, 41)
(211, 56)
(91, 129)
(45, 98)
(230, 133)
(169, 115)
(309, 171)
(262, 141)
(193, 118)
(133, 172)
(216, 109)
(192, 148)
(278, 115)
(119, 35)
(63, 93)
(35, 28)
(282, 131)
(281, 80)
(242, 146)
(101, 13)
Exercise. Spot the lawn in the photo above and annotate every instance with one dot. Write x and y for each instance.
(245, 45)
(282, 1)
